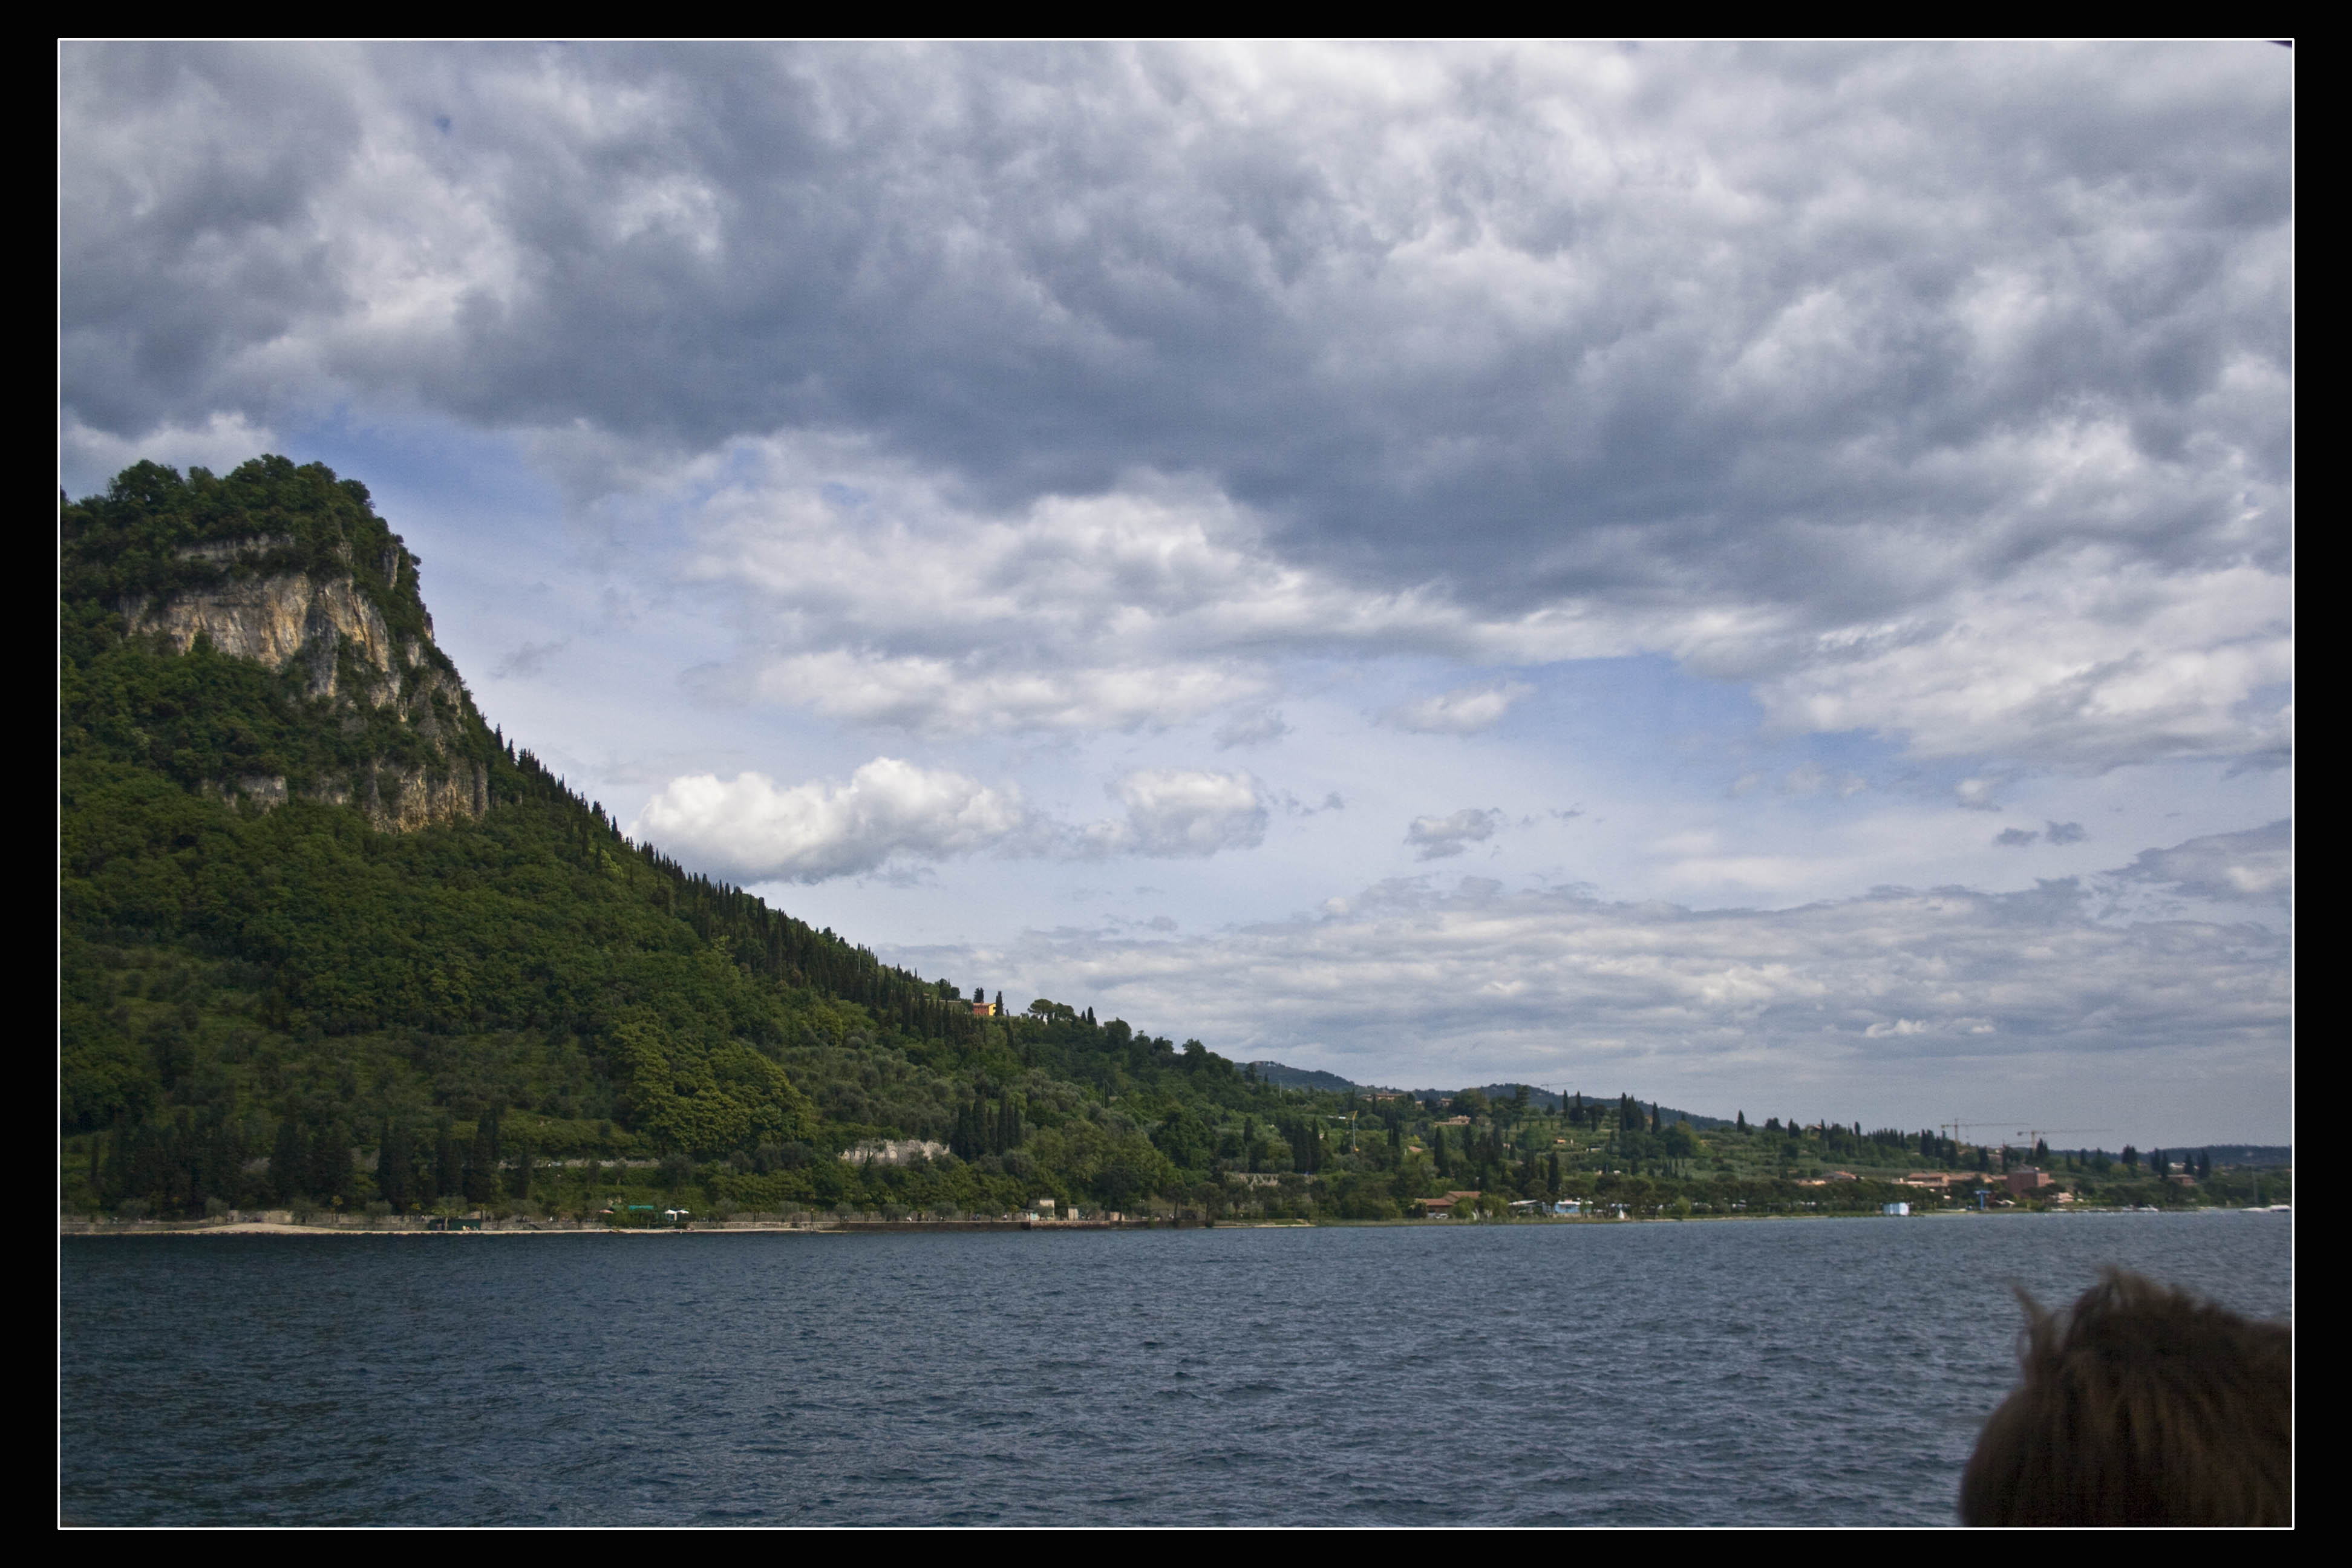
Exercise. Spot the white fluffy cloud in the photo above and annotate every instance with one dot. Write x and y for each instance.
(753, 829)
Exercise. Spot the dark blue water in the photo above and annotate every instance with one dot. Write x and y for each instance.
(1784, 1372)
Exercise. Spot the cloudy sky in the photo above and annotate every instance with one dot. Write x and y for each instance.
(1754, 576)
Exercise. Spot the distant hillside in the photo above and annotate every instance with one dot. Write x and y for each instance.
(2243, 1156)
(1546, 1100)
(1284, 1077)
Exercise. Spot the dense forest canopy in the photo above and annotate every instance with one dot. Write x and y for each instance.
(326, 937)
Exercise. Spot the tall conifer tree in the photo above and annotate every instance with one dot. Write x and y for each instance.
(481, 1163)
(287, 1161)
(519, 1173)
(328, 1176)
(395, 1166)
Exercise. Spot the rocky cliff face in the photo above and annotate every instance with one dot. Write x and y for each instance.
(329, 630)
(276, 620)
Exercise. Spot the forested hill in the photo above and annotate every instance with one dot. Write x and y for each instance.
(304, 885)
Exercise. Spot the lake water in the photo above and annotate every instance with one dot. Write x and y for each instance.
(1829, 1372)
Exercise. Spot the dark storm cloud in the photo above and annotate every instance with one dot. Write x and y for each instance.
(187, 234)
(1823, 327)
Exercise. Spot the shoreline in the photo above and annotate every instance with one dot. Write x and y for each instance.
(967, 1226)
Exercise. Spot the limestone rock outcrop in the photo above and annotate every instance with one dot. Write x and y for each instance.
(402, 800)
(297, 620)
(393, 799)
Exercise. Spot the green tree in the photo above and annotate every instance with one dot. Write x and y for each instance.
(395, 1166)
(288, 1160)
(519, 1155)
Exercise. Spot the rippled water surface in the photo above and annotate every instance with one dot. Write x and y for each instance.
(1789, 1372)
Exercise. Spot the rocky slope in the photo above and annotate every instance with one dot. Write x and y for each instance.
(328, 602)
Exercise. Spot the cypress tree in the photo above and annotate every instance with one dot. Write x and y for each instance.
(449, 1164)
(481, 1164)
(113, 1170)
(218, 1157)
(330, 1163)
(287, 1159)
(395, 1166)
(518, 1177)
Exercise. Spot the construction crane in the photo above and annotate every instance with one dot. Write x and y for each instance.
(1957, 1130)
